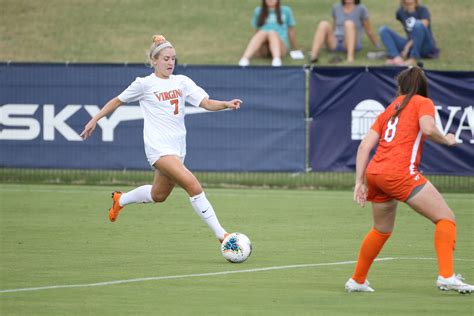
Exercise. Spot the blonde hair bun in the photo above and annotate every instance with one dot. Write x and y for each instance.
(158, 39)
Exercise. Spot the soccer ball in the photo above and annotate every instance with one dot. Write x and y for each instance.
(236, 248)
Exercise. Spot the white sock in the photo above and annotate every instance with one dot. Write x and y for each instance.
(139, 195)
(205, 211)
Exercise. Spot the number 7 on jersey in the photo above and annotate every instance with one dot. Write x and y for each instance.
(175, 102)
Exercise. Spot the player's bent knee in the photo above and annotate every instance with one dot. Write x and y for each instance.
(439, 216)
(448, 217)
(383, 229)
(193, 189)
(159, 197)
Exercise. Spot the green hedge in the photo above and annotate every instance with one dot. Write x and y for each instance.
(310, 180)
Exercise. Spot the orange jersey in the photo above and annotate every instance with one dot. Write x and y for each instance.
(401, 139)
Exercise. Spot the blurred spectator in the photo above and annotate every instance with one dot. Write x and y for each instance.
(416, 20)
(275, 32)
(349, 19)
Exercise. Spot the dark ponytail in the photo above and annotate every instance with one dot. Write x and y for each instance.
(411, 81)
(356, 2)
(264, 14)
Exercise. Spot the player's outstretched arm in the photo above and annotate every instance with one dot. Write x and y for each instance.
(108, 108)
(216, 105)
(429, 129)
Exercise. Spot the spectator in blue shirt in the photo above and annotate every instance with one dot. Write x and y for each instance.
(419, 43)
(275, 33)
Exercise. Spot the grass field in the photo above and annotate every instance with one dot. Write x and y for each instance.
(204, 32)
(59, 235)
(59, 255)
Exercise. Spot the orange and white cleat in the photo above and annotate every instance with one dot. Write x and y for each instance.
(225, 235)
(116, 208)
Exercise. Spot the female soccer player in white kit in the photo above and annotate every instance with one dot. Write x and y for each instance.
(162, 98)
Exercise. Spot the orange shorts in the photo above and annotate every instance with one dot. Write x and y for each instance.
(386, 187)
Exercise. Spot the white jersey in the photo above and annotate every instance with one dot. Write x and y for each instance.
(162, 102)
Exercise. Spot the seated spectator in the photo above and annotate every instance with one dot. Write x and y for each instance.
(275, 31)
(349, 19)
(419, 43)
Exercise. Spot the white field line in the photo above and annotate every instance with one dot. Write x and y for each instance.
(419, 258)
(185, 276)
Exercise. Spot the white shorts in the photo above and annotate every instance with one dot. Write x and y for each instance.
(165, 145)
(154, 155)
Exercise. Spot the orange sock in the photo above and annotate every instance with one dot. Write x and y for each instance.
(445, 241)
(369, 250)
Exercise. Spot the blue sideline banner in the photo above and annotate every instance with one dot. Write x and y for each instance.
(44, 107)
(344, 103)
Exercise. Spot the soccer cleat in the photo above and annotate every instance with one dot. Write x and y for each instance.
(353, 286)
(276, 62)
(116, 208)
(454, 283)
(225, 235)
(244, 62)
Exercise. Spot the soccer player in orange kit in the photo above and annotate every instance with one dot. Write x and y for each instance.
(392, 175)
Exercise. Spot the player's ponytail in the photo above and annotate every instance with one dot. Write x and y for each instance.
(411, 81)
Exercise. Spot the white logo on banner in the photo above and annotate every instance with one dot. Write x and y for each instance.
(17, 121)
(365, 113)
(363, 116)
(467, 116)
(23, 126)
